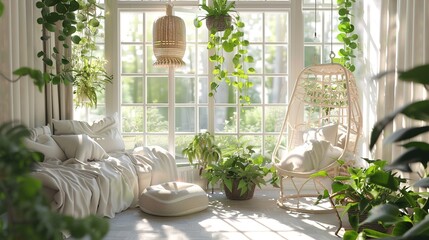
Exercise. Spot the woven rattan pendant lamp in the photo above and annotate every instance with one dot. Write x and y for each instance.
(169, 40)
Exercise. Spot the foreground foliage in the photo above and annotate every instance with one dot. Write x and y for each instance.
(413, 221)
(28, 214)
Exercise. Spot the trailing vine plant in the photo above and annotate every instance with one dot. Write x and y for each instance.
(90, 76)
(224, 42)
(346, 35)
(25, 212)
(56, 16)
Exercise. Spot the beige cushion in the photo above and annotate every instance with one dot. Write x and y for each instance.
(81, 147)
(173, 199)
(105, 132)
(327, 132)
(46, 145)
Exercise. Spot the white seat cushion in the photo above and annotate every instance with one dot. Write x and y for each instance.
(173, 199)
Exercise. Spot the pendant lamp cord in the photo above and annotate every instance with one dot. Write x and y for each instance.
(332, 54)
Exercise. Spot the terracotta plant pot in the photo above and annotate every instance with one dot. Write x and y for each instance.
(219, 23)
(235, 193)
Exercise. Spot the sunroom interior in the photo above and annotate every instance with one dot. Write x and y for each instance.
(168, 106)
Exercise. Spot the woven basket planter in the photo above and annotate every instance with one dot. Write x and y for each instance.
(219, 23)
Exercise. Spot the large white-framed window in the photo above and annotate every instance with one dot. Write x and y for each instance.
(165, 109)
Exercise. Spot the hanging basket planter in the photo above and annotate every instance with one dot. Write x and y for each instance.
(218, 23)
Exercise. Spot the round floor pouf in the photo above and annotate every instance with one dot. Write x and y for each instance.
(173, 199)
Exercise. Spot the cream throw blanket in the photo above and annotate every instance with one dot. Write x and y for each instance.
(104, 187)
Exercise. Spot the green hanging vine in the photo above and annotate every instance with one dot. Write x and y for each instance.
(90, 76)
(346, 35)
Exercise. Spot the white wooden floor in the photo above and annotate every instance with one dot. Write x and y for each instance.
(258, 218)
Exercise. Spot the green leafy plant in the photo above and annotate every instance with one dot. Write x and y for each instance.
(357, 192)
(239, 167)
(90, 76)
(202, 151)
(415, 225)
(346, 35)
(224, 43)
(28, 214)
(56, 16)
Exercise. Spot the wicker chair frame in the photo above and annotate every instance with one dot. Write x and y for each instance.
(323, 94)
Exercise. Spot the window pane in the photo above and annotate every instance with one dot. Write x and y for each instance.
(225, 94)
(132, 89)
(185, 90)
(203, 90)
(132, 119)
(157, 90)
(274, 117)
(189, 59)
(203, 119)
(132, 142)
(158, 140)
(255, 92)
(255, 50)
(185, 119)
(132, 58)
(276, 27)
(157, 119)
(181, 142)
(276, 59)
(253, 24)
(202, 64)
(312, 55)
(225, 119)
(269, 144)
(131, 27)
(251, 119)
(311, 27)
(255, 141)
(276, 89)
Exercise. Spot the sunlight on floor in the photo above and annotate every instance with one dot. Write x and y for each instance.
(258, 218)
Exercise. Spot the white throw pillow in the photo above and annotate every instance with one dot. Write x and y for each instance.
(46, 145)
(105, 131)
(295, 160)
(328, 133)
(81, 147)
(38, 131)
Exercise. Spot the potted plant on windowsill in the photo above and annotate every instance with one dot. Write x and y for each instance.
(239, 172)
(227, 37)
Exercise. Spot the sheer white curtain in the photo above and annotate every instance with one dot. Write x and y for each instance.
(19, 44)
(395, 36)
(405, 44)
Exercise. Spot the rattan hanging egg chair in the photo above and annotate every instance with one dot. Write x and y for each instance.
(322, 125)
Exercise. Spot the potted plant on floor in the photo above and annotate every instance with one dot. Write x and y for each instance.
(239, 172)
(201, 152)
(227, 37)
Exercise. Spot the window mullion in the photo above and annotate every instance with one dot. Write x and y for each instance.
(171, 110)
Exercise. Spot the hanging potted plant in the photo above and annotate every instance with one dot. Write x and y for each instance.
(90, 75)
(227, 37)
